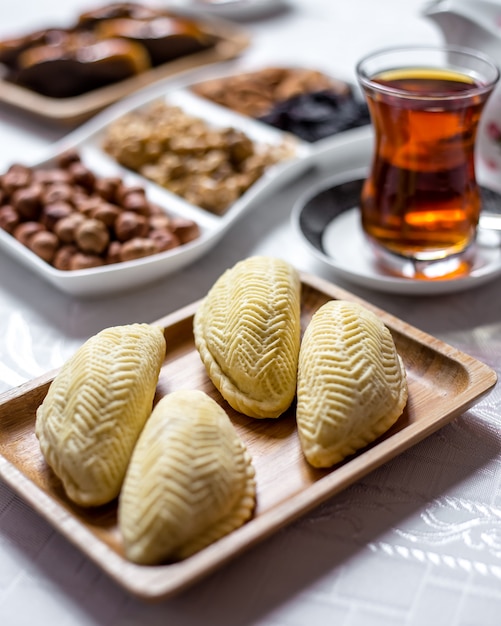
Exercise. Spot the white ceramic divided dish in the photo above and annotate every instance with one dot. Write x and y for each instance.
(133, 274)
(127, 275)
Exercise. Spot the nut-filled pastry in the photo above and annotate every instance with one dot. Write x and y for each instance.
(247, 331)
(96, 407)
(190, 480)
(351, 382)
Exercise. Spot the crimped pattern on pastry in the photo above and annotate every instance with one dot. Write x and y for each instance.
(96, 407)
(351, 382)
(190, 480)
(247, 331)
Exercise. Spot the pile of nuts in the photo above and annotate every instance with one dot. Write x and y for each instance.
(74, 220)
(209, 167)
(256, 93)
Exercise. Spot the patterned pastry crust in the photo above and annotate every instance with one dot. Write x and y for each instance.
(351, 382)
(190, 481)
(247, 331)
(96, 407)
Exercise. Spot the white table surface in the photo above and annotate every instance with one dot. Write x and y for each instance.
(417, 541)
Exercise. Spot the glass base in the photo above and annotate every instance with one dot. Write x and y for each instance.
(453, 266)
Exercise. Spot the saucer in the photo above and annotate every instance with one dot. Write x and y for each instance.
(327, 220)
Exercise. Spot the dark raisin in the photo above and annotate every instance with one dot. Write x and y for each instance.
(314, 116)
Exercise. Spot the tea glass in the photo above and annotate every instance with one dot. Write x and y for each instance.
(420, 203)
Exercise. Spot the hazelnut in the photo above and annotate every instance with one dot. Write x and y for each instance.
(79, 197)
(52, 176)
(62, 258)
(9, 218)
(164, 239)
(65, 228)
(137, 248)
(24, 231)
(113, 255)
(92, 236)
(68, 157)
(16, 177)
(53, 213)
(86, 204)
(57, 192)
(129, 224)
(44, 244)
(107, 187)
(81, 175)
(155, 209)
(184, 229)
(106, 213)
(82, 261)
(28, 201)
(136, 202)
(124, 190)
(159, 222)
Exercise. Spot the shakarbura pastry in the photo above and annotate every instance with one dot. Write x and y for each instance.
(247, 331)
(96, 407)
(190, 480)
(351, 382)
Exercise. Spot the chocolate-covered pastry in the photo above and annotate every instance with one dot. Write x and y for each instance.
(164, 38)
(73, 69)
(104, 46)
(12, 49)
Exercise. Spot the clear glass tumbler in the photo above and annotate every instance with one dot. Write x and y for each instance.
(421, 200)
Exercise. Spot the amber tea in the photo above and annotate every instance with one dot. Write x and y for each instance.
(421, 199)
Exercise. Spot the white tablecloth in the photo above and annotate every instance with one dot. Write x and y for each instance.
(416, 542)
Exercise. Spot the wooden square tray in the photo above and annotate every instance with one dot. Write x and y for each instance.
(443, 383)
